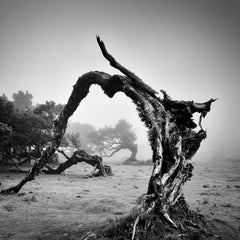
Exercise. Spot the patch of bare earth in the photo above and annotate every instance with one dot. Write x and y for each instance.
(67, 206)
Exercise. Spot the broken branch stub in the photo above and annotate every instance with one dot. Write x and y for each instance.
(170, 126)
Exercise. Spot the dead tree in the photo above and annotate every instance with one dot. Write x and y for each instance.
(170, 126)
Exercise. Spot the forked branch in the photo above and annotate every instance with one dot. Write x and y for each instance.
(136, 81)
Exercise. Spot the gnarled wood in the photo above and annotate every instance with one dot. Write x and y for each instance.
(170, 126)
(81, 156)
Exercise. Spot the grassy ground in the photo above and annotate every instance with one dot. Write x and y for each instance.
(65, 206)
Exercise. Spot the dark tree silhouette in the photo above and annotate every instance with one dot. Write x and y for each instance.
(30, 131)
(109, 140)
(6, 114)
(5, 142)
(6, 110)
(171, 135)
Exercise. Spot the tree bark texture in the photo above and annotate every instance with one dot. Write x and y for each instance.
(170, 126)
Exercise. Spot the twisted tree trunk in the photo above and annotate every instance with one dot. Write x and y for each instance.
(81, 156)
(133, 149)
(170, 132)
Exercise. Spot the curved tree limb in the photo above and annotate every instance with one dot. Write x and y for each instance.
(136, 80)
(64, 154)
(170, 132)
(77, 157)
(113, 152)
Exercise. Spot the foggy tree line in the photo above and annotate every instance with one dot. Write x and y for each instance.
(25, 130)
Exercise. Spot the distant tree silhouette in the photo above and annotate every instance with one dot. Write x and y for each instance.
(5, 142)
(83, 129)
(109, 140)
(6, 110)
(78, 155)
(6, 115)
(4, 97)
(23, 101)
(72, 140)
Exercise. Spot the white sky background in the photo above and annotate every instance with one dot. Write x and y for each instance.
(188, 48)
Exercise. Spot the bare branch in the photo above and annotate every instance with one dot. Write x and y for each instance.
(113, 62)
(113, 152)
(63, 153)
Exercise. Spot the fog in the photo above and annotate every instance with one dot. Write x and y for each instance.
(188, 48)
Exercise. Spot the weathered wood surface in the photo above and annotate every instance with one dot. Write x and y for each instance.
(170, 126)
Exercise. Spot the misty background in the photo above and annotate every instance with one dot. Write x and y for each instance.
(188, 48)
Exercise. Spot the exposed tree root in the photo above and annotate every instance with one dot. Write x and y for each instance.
(189, 225)
(134, 226)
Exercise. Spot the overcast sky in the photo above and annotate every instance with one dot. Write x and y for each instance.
(189, 48)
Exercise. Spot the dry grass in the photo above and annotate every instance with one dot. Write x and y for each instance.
(66, 206)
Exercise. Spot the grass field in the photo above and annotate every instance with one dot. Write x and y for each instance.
(64, 206)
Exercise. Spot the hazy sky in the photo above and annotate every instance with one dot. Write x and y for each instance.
(189, 48)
